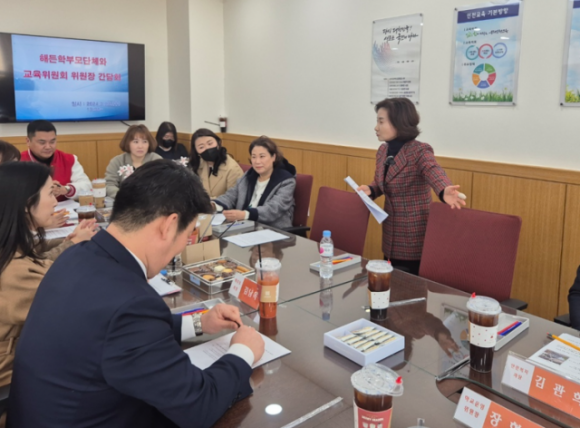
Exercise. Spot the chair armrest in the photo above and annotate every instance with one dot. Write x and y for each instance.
(520, 305)
(297, 230)
(563, 320)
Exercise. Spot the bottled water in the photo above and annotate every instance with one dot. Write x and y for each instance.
(326, 254)
(174, 267)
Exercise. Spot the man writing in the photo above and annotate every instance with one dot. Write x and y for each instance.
(69, 176)
(100, 348)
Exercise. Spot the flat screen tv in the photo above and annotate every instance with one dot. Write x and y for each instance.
(60, 79)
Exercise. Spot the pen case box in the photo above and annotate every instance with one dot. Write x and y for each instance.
(505, 320)
(220, 284)
(332, 341)
(207, 304)
(355, 260)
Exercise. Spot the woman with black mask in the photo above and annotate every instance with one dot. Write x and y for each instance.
(218, 170)
(167, 145)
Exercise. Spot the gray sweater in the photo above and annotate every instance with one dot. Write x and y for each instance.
(276, 206)
(112, 174)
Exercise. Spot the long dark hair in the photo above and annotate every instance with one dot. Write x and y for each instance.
(163, 129)
(20, 184)
(195, 158)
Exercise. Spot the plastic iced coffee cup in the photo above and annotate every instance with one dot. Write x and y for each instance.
(483, 319)
(86, 212)
(379, 279)
(86, 198)
(268, 279)
(374, 388)
(99, 192)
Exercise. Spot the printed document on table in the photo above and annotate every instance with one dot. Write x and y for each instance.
(560, 357)
(163, 286)
(204, 355)
(255, 238)
(61, 232)
(375, 210)
(70, 205)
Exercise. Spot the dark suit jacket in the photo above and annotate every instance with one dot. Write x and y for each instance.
(100, 348)
(407, 190)
(574, 302)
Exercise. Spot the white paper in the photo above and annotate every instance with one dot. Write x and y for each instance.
(204, 355)
(375, 210)
(560, 358)
(218, 219)
(70, 205)
(163, 286)
(255, 238)
(61, 232)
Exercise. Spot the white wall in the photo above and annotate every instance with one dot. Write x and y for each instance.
(133, 21)
(206, 31)
(300, 69)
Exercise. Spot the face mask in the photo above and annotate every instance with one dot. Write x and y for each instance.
(210, 155)
(168, 143)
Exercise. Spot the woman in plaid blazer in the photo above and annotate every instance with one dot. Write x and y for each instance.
(406, 171)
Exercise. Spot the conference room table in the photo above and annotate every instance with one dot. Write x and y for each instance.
(311, 386)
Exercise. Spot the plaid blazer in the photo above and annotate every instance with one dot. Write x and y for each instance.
(407, 197)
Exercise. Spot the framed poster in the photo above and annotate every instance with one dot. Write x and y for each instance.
(486, 54)
(396, 58)
(570, 87)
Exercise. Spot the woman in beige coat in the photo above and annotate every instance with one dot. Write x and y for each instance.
(210, 160)
(26, 207)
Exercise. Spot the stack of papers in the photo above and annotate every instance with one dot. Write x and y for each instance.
(163, 286)
(70, 205)
(375, 210)
(256, 238)
(61, 232)
(560, 358)
(204, 355)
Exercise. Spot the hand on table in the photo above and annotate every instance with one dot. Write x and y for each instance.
(453, 197)
(366, 189)
(58, 219)
(234, 215)
(221, 317)
(251, 338)
(84, 231)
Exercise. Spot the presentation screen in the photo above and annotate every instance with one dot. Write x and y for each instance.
(61, 79)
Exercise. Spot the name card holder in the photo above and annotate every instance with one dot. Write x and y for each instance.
(245, 290)
(542, 384)
(476, 411)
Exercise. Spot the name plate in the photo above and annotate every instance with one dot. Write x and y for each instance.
(245, 290)
(476, 411)
(543, 385)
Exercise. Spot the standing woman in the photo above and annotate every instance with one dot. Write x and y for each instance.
(167, 145)
(406, 170)
(27, 205)
(139, 147)
(218, 171)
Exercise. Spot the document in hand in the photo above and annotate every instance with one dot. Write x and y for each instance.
(375, 210)
(58, 233)
(204, 355)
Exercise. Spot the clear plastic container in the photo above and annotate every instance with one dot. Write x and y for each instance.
(379, 272)
(268, 278)
(326, 255)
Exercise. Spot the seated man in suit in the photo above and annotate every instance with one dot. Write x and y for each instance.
(100, 347)
(69, 176)
(574, 302)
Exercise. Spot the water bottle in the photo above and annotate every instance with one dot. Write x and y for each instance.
(174, 267)
(326, 254)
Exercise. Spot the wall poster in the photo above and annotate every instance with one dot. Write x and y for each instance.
(570, 90)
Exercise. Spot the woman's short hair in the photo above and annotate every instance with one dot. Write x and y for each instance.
(195, 158)
(163, 129)
(20, 185)
(129, 136)
(403, 116)
(268, 144)
(8, 152)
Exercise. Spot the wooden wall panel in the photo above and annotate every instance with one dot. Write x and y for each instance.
(106, 150)
(86, 152)
(243, 151)
(571, 246)
(328, 170)
(464, 179)
(541, 207)
(294, 156)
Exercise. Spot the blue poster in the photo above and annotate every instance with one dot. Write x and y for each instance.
(571, 91)
(65, 79)
(487, 42)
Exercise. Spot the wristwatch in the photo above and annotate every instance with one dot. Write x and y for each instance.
(197, 324)
(67, 188)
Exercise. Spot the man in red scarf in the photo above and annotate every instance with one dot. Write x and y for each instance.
(68, 174)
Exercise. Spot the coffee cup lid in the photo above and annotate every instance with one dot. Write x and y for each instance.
(376, 379)
(268, 263)
(379, 266)
(483, 305)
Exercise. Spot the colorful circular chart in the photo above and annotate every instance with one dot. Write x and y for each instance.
(472, 52)
(484, 76)
(499, 50)
(485, 51)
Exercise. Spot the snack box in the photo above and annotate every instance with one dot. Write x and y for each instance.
(207, 304)
(194, 274)
(332, 340)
